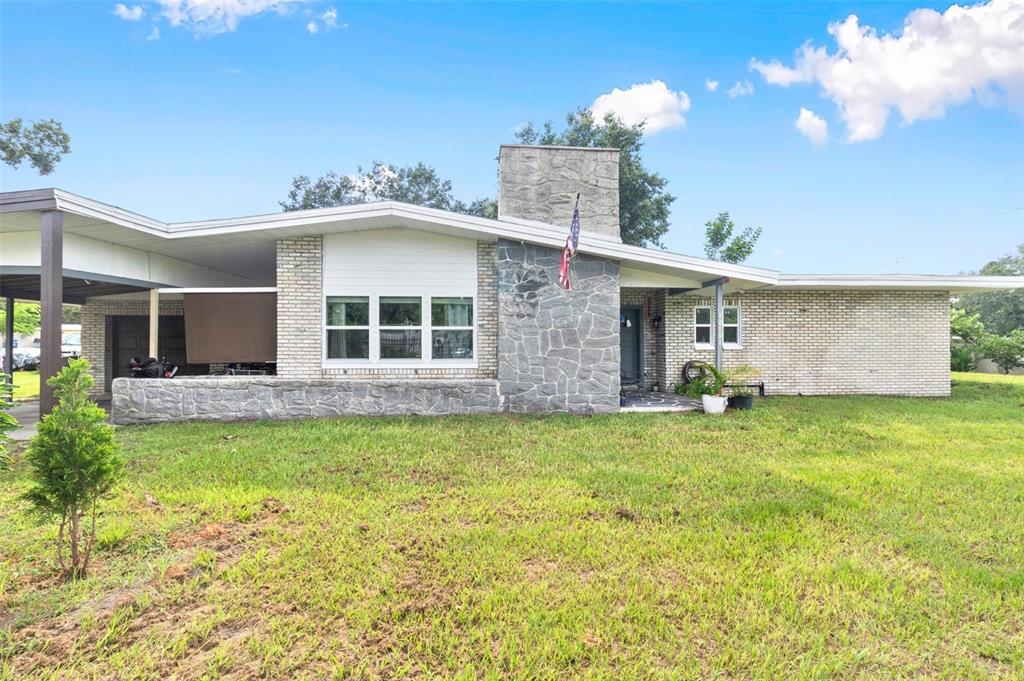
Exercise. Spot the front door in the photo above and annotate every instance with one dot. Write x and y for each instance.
(630, 344)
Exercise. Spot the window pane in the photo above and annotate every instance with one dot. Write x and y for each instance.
(400, 312)
(452, 345)
(348, 311)
(399, 344)
(703, 334)
(348, 344)
(703, 315)
(451, 311)
(731, 334)
(732, 315)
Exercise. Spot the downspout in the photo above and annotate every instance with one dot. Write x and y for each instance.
(719, 324)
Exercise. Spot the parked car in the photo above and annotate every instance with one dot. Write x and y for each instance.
(71, 344)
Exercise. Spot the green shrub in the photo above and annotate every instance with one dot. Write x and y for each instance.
(709, 381)
(7, 423)
(1006, 351)
(962, 359)
(74, 461)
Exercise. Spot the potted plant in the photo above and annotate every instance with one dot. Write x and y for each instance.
(739, 380)
(707, 386)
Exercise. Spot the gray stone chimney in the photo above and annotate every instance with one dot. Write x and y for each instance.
(541, 182)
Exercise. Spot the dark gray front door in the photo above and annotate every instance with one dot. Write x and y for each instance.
(630, 343)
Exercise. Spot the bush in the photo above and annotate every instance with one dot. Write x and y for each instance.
(1006, 351)
(74, 461)
(7, 422)
(962, 359)
(709, 381)
(740, 378)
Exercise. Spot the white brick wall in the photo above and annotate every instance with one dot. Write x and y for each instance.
(825, 342)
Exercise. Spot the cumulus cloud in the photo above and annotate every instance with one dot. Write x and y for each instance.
(711, 85)
(741, 89)
(312, 27)
(153, 35)
(128, 13)
(212, 17)
(938, 60)
(330, 18)
(652, 102)
(812, 126)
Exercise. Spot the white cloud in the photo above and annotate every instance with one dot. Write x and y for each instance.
(812, 126)
(153, 35)
(128, 13)
(741, 89)
(330, 18)
(711, 85)
(652, 102)
(212, 17)
(312, 27)
(936, 61)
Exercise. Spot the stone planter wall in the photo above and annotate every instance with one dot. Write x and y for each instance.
(137, 401)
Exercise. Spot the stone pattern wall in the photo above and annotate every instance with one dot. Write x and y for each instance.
(558, 350)
(640, 297)
(96, 332)
(140, 401)
(827, 342)
(541, 182)
(299, 307)
(486, 332)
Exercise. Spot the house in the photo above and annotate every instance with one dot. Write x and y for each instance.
(391, 308)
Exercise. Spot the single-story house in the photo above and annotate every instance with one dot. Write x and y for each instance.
(392, 308)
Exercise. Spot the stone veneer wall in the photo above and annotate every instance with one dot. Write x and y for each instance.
(639, 297)
(96, 331)
(541, 182)
(558, 350)
(826, 342)
(138, 401)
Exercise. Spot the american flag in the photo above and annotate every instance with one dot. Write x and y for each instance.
(572, 242)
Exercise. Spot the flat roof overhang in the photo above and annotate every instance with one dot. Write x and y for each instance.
(23, 283)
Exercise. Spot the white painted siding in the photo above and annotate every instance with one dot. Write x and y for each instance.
(398, 262)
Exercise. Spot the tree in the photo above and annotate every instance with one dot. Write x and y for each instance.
(965, 331)
(1006, 351)
(643, 200)
(74, 461)
(419, 185)
(720, 244)
(43, 143)
(1000, 311)
(26, 318)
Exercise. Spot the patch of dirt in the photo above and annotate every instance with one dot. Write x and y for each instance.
(623, 513)
(139, 609)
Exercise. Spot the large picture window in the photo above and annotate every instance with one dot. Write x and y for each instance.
(402, 330)
(451, 328)
(348, 327)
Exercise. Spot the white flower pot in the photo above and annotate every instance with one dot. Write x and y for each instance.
(713, 405)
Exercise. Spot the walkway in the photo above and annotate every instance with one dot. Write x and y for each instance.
(650, 402)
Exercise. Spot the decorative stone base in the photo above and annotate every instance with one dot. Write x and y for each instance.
(157, 400)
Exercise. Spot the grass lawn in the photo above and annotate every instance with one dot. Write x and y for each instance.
(26, 385)
(810, 538)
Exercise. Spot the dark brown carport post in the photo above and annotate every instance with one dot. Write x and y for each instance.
(9, 341)
(51, 300)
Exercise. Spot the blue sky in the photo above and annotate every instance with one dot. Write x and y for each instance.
(195, 124)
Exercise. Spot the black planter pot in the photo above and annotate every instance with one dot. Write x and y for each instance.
(741, 401)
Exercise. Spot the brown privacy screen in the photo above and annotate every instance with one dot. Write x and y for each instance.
(230, 327)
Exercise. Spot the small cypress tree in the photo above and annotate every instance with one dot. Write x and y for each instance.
(74, 460)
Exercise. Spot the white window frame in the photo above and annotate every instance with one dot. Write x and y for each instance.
(471, 328)
(358, 327)
(738, 345)
(426, 360)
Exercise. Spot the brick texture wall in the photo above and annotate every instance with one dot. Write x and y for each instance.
(96, 332)
(300, 316)
(299, 307)
(825, 342)
(640, 297)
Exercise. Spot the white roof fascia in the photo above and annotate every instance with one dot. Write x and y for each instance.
(922, 282)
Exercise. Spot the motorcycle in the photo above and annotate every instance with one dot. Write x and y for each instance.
(151, 368)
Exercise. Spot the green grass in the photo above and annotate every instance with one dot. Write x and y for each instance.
(823, 538)
(26, 385)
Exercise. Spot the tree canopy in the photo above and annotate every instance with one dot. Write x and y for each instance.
(42, 143)
(419, 185)
(643, 200)
(1000, 311)
(721, 245)
(26, 318)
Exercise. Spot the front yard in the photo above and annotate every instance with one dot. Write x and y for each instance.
(809, 538)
